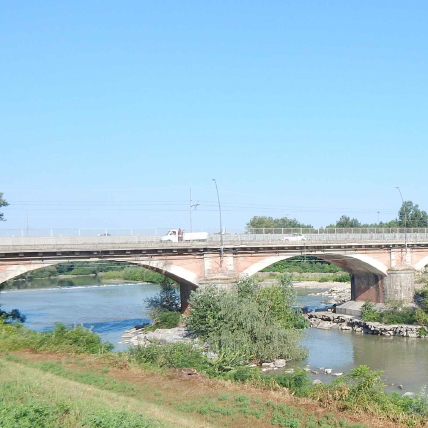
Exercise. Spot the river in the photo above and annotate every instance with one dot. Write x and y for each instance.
(110, 309)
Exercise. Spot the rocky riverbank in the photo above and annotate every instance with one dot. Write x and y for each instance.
(137, 336)
(329, 320)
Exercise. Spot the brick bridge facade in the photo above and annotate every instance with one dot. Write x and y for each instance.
(379, 271)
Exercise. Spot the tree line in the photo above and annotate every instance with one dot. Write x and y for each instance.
(409, 215)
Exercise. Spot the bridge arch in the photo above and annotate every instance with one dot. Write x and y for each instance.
(420, 265)
(187, 280)
(367, 274)
(352, 263)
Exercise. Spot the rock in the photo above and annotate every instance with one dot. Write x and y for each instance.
(306, 369)
(400, 387)
(321, 368)
(268, 365)
(212, 356)
(408, 394)
(325, 325)
(252, 365)
(279, 363)
(265, 370)
(337, 374)
(314, 372)
(140, 326)
(345, 327)
(316, 382)
(328, 371)
(288, 371)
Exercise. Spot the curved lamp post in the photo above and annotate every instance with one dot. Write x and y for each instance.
(405, 222)
(221, 227)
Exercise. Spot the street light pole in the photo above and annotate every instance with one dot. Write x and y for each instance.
(221, 227)
(190, 210)
(405, 221)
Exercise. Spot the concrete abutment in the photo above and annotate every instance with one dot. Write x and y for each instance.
(398, 284)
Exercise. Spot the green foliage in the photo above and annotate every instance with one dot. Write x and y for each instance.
(412, 216)
(396, 314)
(346, 277)
(347, 222)
(421, 318)
(3, 203)
(170, 355)
(13, 315)
(278, 223)
(302, 264)
(61, 339)
(32, 412)
(369, 312)
(297, 382)
(277, 302)
(168, 299)
(165, 319)
(248, 322)
(112, 270)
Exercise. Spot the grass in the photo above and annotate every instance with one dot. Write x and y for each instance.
(143, 377)
(76, 392)
(31, 398)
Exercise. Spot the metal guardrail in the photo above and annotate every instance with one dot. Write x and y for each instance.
(82, 232)
(18, 243)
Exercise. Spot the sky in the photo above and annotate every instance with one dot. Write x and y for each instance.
(110, 111)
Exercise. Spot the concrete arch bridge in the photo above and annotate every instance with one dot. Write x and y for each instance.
(379, 270)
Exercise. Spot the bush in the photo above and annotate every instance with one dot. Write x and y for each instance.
(397, 314)
(248, 322)
(165, 319)
(78, 340)
(171, 355)
(297, 382)
(168, 299)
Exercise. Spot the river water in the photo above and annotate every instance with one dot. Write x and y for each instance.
(110, 309)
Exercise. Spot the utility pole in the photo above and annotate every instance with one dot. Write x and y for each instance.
(190, 210)
(221, 227)
(405, 222)
(27, 222)
(378, 217)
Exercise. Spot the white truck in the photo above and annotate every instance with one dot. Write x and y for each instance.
(177, 235)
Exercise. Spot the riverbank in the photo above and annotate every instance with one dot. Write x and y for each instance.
(329, 320)
(74, 390)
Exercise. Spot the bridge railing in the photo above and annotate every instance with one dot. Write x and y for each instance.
(103, 241)
(283, 232)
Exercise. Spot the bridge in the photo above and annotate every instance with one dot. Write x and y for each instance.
(382, 265)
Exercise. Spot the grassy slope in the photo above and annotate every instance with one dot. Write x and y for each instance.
(88, 386)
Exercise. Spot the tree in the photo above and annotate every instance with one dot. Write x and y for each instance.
(248, 322)
(415, 217)
(275, 223)
(3, 203)
(346, 221)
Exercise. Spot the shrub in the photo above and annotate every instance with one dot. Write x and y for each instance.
(171, 355)
(248, 322)
(78, 340)
(168, 299)
(297, 382)
(165, 319)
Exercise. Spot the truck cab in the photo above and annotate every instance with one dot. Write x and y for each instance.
(174, 235)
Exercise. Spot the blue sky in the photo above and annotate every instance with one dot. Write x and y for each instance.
(110, 112)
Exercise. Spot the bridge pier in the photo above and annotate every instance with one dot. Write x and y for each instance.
(398, 284)
(185, 291)
(367, 286)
